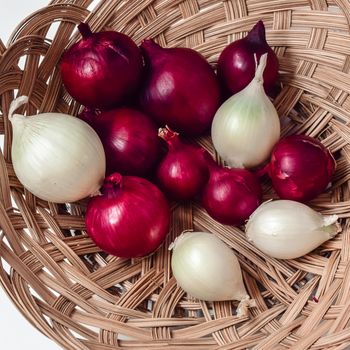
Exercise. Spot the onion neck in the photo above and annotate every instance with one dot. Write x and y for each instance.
(331, 225)
(17, 120)
(150, 45)
(257, 35)
(169, 136)
(151, 50)
(84, 30)
(258, 78)
(15, 104)
(112, 184)
(214, 169)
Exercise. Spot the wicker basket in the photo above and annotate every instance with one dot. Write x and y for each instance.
(82, 299)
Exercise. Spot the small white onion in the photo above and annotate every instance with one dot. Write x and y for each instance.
(57, 157)
(206, 268)
(285, 229)
(246, 126)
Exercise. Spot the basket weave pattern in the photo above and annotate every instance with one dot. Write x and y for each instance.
(84, 299)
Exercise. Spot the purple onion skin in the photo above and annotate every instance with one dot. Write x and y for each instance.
(183, 172)
(103, 69)
(89, 116)
(300, 168)
(236, 64)
(130, 219)
(181, 89)
(231, 195)
(130, 140)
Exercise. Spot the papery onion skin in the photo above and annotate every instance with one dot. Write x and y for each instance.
(103, 69)
(130, 219)
(236, 63)
(286, 229)
(230, 195)
(57, 157)
(300, 168)
(183, 171)
(206, 268)
(130, 139)
(246, 126)
(181, 89)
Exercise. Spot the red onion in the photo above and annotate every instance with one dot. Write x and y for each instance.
(183, 171)
(181, 89)
(231, 195)
(300, 168)
(88, 115)
(131, 217)
(102, 69)
(130, 139)
(236, 64)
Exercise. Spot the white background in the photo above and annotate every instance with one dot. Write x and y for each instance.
(16, 333)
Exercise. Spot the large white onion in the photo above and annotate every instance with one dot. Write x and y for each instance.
(57, 157)
(246, 126)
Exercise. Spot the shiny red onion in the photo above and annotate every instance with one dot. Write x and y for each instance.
(130, 140)
(183, 172)
(181, 89)
(131, 217)
(231, 195)
(102, 69)
(236, 64)
(300, 168)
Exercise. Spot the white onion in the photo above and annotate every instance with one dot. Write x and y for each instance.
(206, 268)
(285, 229)
(246, 126)
(57, 157)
